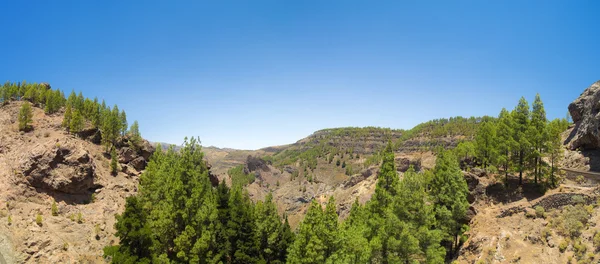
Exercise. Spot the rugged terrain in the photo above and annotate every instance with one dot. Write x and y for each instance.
(49, 165)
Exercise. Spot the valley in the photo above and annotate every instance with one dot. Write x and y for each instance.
(62, 187)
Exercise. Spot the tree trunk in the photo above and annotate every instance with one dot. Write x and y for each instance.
(535, 172)
(521, 167)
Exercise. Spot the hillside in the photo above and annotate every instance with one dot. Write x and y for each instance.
(338, 162)
(48, 165)
(61, 197)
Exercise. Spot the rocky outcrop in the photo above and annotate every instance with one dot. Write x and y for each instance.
(355, 179)
(136, 156)
(65, 167)
(126, 155)
(255, 163)
(405, 163)
(585, 112)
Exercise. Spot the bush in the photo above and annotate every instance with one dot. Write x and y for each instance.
(114, 165)
(65, 246)
(578, 199)
(597, 240)
(79, 218)
(540, 212)
(54, 209)
(10, 220)
(38, 219)
(563, 245)
(546, 233)
(572, 220)
(580, 249)
(580, 179)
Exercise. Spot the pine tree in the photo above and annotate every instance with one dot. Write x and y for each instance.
(506, 143)
(308, 246)
(66, 123)
(135, 235)
(354, 246)
(330, 231)
(485, 140)
(465, 150)
(387, 183)
(269, 230)
(25, 117)
(76, 122)
(221, 231)
(241, 229)
(555, 128)
(520, 118)
(124, 125)
(449, 192)
(538, 135)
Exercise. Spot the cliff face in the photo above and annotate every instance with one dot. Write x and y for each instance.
(585, 112)
(47, 165)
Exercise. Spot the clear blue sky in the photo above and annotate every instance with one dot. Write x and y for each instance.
(250, 74)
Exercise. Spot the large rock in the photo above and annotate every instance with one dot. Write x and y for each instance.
(146, 150)
(585, 112)
(66, 168)
(138, 163)
(126, 155)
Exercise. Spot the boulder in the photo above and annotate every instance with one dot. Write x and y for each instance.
(138, 163)
(66, 168)
(126, 155)
(585, 112)
(146, 150)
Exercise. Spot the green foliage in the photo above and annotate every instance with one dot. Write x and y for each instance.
(579, 248)
(54, 209)
(349, 170)
(538, 135)
(25, 117)
(76, 124)
(522, 141)
(449, 193)
(178, 216)
(521, 127)
(572, 220)
(79, 218)
(596, 240)
(66, 123)
(485, 143)
(134, 133)
(444, 127)
(38, 220)
(123, 125)
(540, 212)
(9, 219)
(114, 165)
(310, 245)
(464, 150)
(239, 177)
